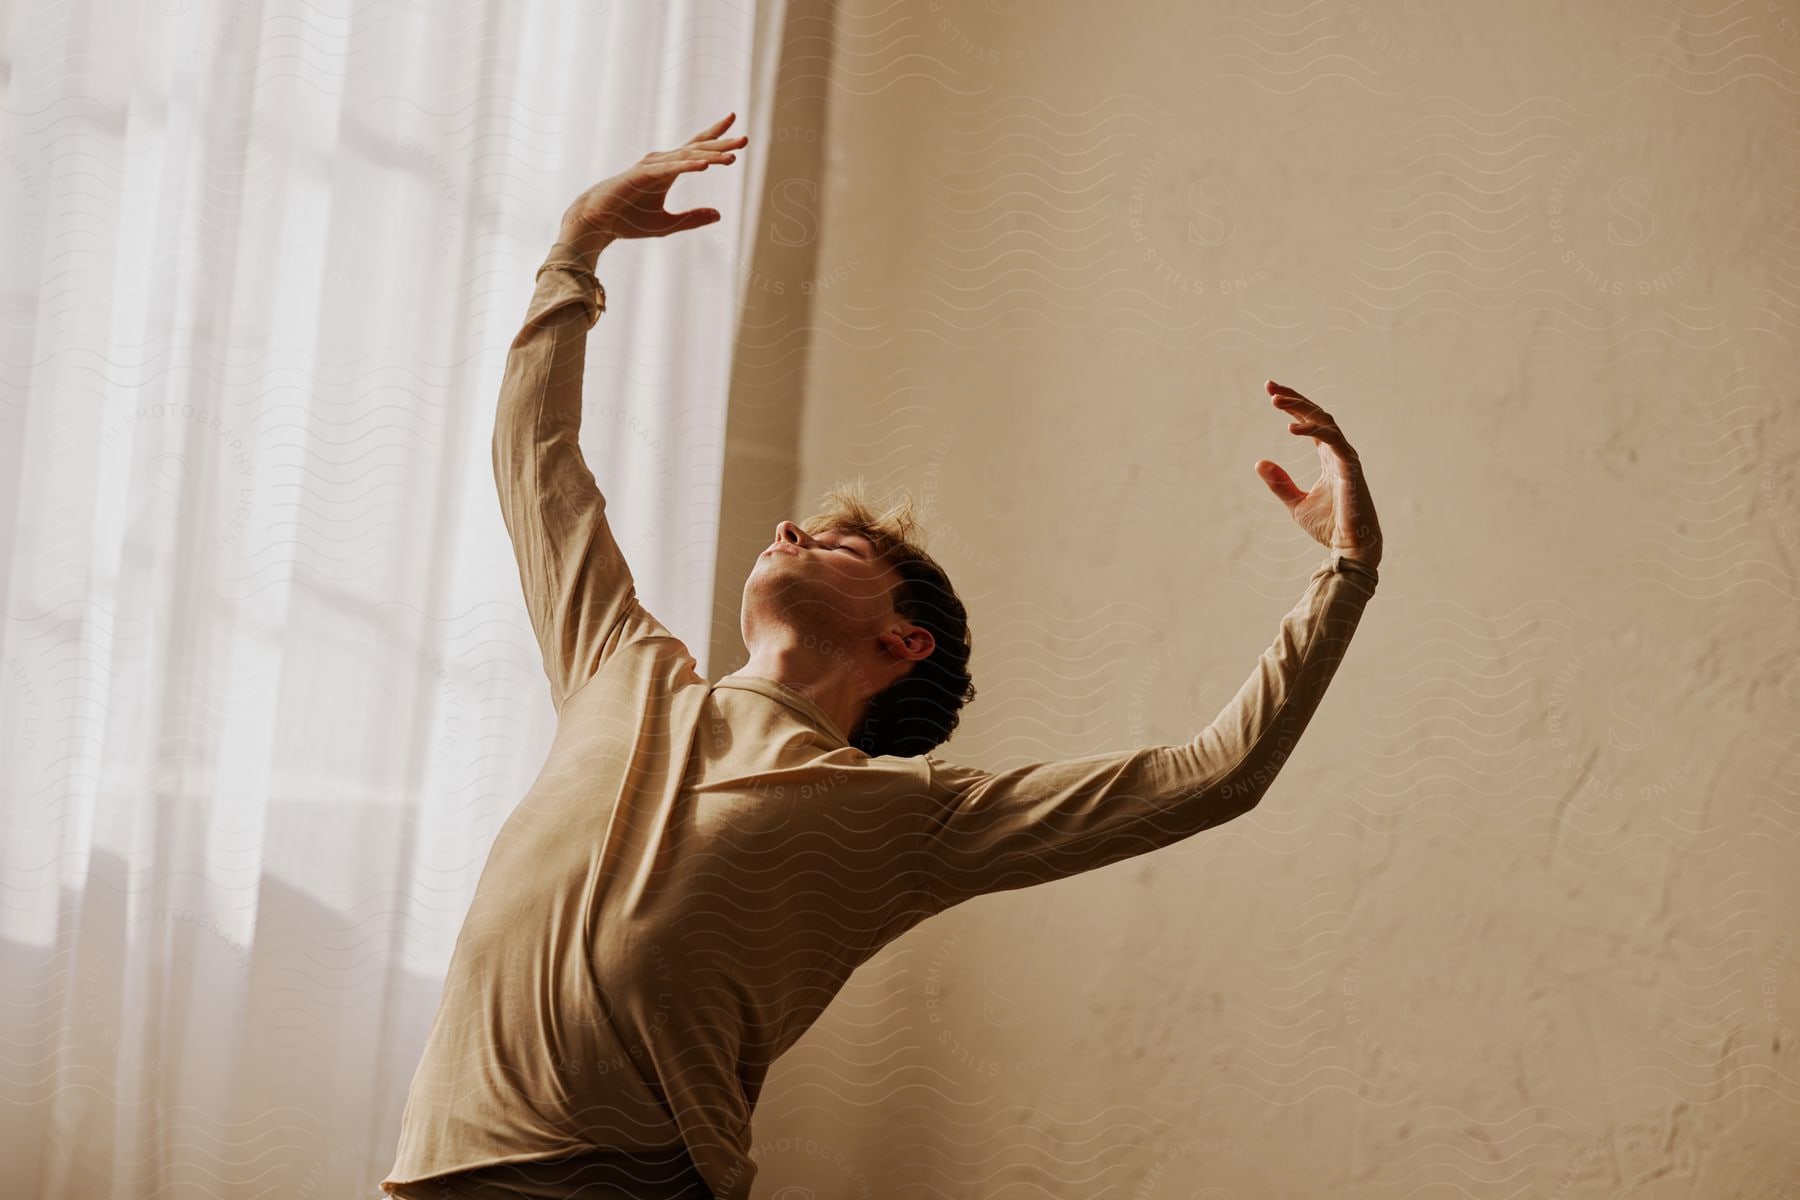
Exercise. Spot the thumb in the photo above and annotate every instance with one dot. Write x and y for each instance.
(693, 218)
(1280, 482)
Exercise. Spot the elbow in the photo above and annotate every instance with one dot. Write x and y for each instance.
(1242, 790)
(1212, 806)
(499, 453)
(1231, 807)
(1212, 795)
(501, 443)
(511, 447)
(1244, 786)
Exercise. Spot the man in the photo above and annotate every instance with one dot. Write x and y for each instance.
(700, 866)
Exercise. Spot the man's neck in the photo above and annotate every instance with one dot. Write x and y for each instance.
(837, 686)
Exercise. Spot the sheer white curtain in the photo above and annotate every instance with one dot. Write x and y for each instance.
(267, 687)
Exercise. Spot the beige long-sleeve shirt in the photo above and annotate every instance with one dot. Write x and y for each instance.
(700, 866)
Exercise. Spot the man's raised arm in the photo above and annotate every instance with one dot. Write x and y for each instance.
(991, 831)
(578, 588)
(575, 579)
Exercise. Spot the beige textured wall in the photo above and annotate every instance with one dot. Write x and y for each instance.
(1518, 918)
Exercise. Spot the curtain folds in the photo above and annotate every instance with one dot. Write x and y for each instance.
(267, 686)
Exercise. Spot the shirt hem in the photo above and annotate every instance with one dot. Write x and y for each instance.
(544, 1156)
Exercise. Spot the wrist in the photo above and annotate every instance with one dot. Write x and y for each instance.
(1364, 552)
(583, 241)
(1356, 564)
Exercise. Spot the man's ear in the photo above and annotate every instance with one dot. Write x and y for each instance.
(908, 641)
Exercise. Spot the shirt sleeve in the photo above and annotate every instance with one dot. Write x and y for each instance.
(994, 831)
(577, 585)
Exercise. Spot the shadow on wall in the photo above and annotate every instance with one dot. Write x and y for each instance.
(774, 334)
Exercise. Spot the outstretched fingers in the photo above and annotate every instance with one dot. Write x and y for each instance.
(1331, 435)
(730, 143)
(675, 166)
(706, 141)
(1293, 403)
(1309, 420)
(715, 129)
(715, 146)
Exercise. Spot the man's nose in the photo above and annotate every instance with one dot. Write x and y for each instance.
(787, 531)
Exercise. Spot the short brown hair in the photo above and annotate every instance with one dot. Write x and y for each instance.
(918, 712)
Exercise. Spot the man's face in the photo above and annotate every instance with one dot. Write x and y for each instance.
(831, 585)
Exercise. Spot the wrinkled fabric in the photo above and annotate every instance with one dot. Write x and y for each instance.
(701, 865)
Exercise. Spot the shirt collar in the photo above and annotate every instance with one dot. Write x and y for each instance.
(783, 694)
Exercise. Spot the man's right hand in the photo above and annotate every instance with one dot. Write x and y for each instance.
(630, 204)
(1337, 510)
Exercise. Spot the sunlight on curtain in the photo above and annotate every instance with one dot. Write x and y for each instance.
(267, 685)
